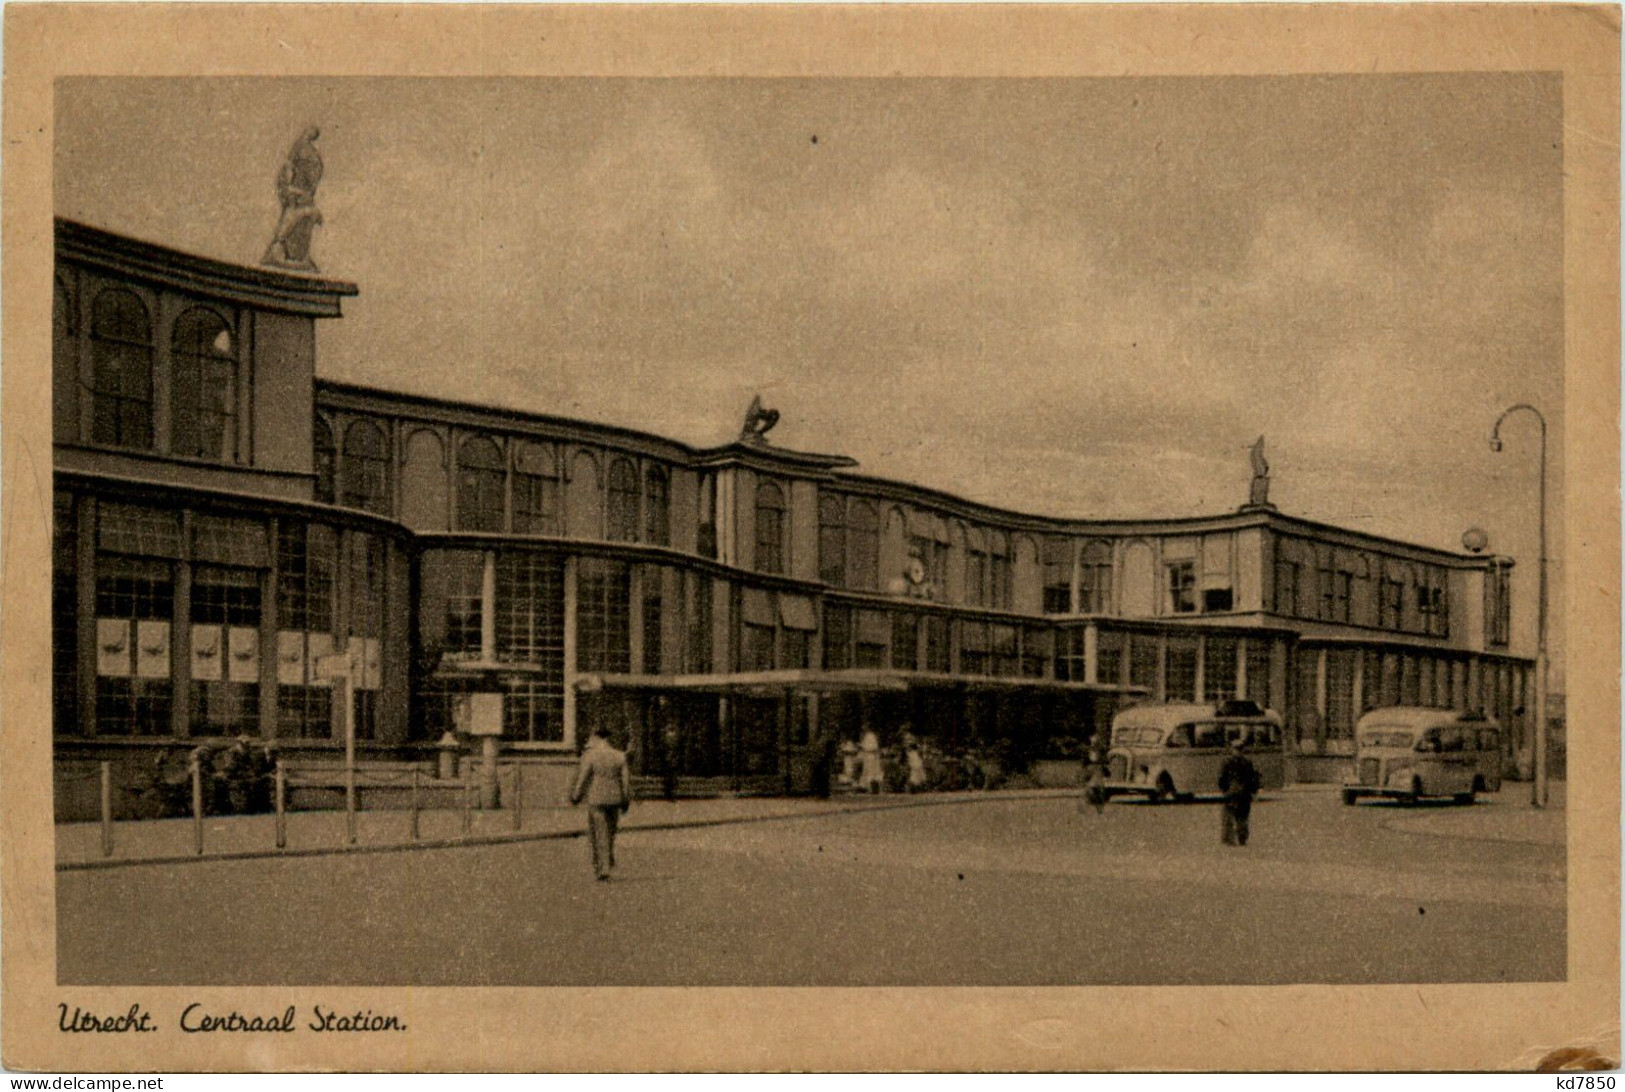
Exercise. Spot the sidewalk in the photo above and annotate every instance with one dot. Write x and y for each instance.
(153, 841)
(1505, 816)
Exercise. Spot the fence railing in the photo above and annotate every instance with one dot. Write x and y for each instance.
(286, 778)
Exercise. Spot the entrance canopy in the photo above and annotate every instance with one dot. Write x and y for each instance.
(849, 680)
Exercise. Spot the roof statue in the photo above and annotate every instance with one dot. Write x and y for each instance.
(296, 186)
(759, 421)
(1259, 494)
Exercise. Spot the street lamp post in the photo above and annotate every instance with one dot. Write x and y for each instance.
(1538, 792)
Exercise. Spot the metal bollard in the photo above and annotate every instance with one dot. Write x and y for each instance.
(349, 803)
(518, 796)
(281, 806)
(107, 809)
(415, 777)
(468, 799)
(197, 807)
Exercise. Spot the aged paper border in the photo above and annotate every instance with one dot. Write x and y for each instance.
(1166, 1028)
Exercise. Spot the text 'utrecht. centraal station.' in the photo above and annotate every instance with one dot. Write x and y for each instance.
(228, 526)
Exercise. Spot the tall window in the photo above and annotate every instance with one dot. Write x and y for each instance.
(1326, 577)
(656, 508)
(1181, 669)
(863, 546)
(936, 644)
(481, 477)
(769, 528)
(998, 570)
(326, 461)
(603, 616)
(121, 371)
(832, 540)
(1218, 668)
(366, 468)
(1108, 656)
(623, 501)
(1498, 606)
(1286, 588)
(1182, 587)
(905, 642)
(65, 616)
(457, 579)
(135, 603)
(225, 650)
(530, 630)
(305, 559)
(1343, 595)
(1095, 579)
(975, 569)
(204, 398)
(1057, 576)
(1003, 641)
(1391, 602)
(535, 490)
(654, 581)
(839, 625)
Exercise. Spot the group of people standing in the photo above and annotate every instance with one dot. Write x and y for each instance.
(863, 763)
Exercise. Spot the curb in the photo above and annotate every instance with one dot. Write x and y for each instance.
(547, 835)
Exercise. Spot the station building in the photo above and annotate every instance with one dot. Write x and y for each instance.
(227, 523)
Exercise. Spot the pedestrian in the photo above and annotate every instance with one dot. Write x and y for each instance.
(670, 743)
(1094, 776)
(916, 765)
(823, 766)
(604, 782)
(849, 762)
(1239, 781)
(874, 770)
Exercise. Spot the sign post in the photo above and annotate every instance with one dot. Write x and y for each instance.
(482, 718)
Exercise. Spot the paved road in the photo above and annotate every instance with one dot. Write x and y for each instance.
(990, 893)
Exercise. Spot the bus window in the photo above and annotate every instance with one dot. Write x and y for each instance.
(1429, 743)
(1210, 735)
(1266, 734)
(1179, 737)
(1450, 739)
(1489, 739)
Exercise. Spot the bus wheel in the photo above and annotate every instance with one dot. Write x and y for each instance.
(1416, 791)
(1470, 796)
(1165, 790)
(1349, 797)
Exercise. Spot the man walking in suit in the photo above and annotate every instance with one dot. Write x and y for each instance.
(605, 783)
(1239, 781)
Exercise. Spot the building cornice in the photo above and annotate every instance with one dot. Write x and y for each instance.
(135, 259)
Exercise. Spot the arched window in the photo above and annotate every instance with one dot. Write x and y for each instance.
(326, 460)
(480, 479)
(863, 546)
(204, 400)
(1057, 576)
(623, 501)
(366, 468)
(535, 490)
(998, 570)
(975, 568)
(121, 371)
(832, 540)
(656, 515)
(769, 528)
(1095, 579)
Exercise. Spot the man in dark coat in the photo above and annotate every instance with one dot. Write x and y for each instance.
(1239, 781)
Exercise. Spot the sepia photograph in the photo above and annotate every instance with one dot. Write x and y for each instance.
(808, 530)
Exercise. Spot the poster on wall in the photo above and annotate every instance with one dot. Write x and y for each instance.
(152, 650)
(113, 647)
(207, 650)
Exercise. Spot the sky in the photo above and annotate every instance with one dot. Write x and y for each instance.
(1074, 297)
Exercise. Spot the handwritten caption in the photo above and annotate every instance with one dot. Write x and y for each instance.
(196, 1019)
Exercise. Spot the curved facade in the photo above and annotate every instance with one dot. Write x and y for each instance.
(230, 528)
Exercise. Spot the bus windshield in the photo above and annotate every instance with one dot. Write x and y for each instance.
(1137, 737)
(1387, 737)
